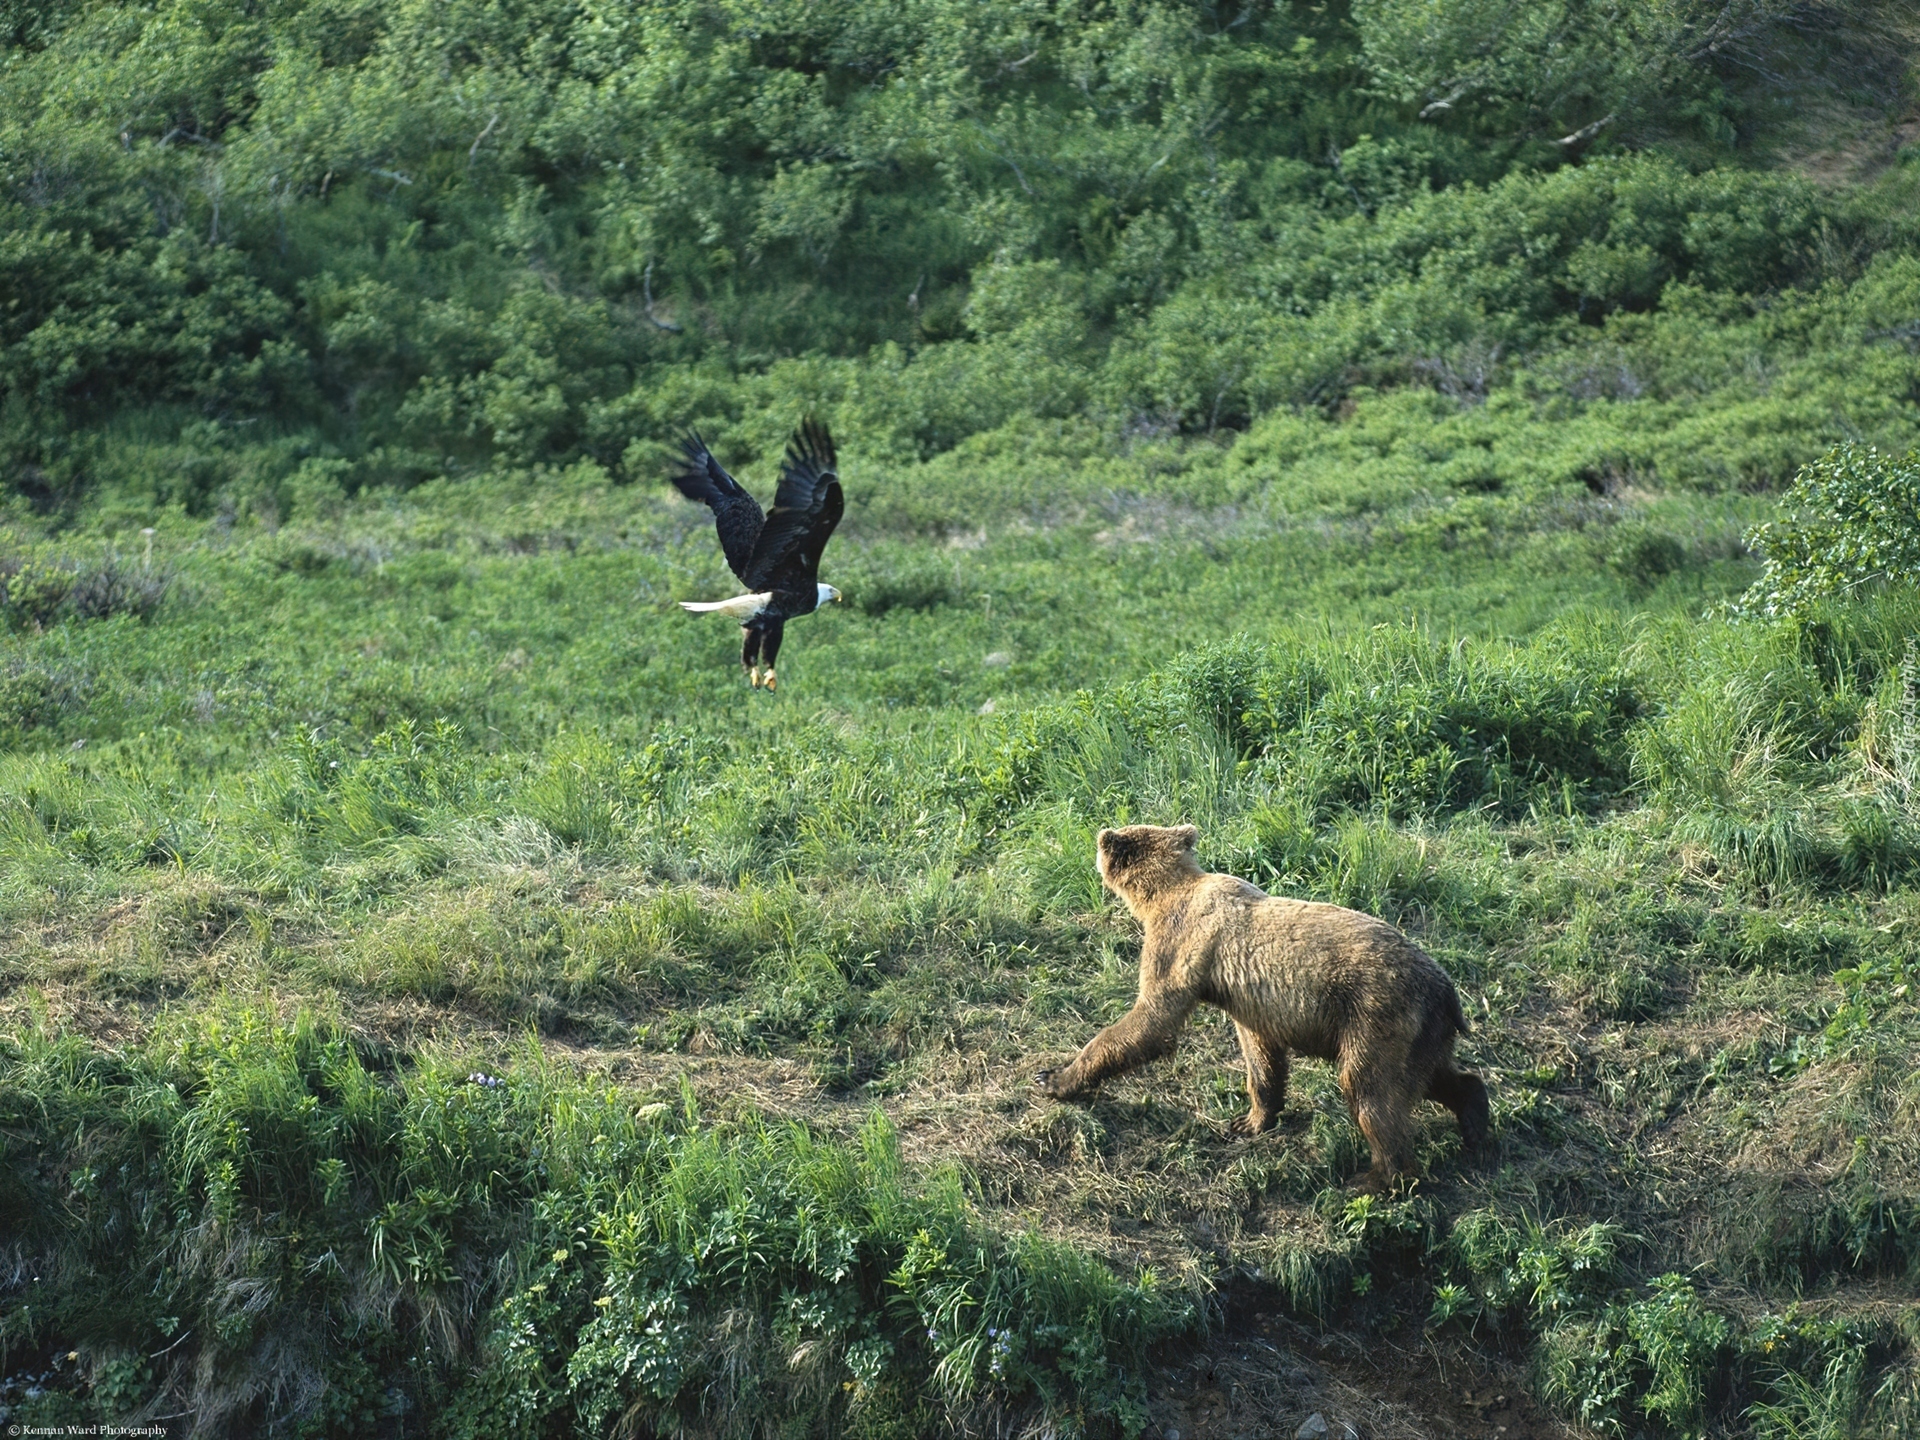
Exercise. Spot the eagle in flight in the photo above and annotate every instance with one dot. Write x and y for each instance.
(777, 556)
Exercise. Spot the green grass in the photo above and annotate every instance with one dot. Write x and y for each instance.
(367, 805)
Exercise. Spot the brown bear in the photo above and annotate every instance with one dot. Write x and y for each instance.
(1294, 975)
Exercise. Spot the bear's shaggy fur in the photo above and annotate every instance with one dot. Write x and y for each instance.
(1294, 975)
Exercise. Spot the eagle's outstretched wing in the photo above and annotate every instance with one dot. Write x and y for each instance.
(806, 507)
(736, 514)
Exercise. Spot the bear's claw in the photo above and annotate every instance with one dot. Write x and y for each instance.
(1047, 1083)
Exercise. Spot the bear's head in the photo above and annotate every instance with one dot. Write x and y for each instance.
(1135, 861)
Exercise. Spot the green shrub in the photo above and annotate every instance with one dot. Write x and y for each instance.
(1644, 556)
(1852, 520)
(36, 695)
(36, 592)
(1523, 1272)
(618, 1258)
(1662, 1360)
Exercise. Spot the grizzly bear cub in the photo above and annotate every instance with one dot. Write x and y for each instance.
(1294, 975)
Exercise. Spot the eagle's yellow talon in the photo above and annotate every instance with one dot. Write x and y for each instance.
(753, 677)
(770, 680)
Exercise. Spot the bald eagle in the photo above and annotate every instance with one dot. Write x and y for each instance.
(777, 556)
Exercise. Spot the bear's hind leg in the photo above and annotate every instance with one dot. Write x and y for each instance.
(1266, 1082)
(1463, 1092)
(1383, 1119)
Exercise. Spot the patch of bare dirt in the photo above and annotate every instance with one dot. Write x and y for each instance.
(1262, 1377)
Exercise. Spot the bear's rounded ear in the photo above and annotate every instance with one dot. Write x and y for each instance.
(1189, 835)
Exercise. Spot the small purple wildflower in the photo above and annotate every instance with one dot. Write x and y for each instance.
(1001, 1352)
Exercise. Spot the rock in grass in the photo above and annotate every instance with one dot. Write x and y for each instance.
(1314, 1427)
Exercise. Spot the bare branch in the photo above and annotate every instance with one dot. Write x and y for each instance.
(1586, 132)
(1434, 108)
(646, 293)
(1005, 154)
(1333, 159)
(475, 150)
(189, 1330)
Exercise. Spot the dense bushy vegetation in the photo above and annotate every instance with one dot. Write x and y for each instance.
(441, 999)
(258, 255)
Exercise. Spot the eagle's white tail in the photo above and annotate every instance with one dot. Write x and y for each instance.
(741, 607)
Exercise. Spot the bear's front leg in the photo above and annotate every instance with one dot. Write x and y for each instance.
(1054, 1084)
(1144, 1033)
(1266, 1083)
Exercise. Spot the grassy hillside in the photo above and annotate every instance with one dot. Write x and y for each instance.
(268, 920)
(441, 999)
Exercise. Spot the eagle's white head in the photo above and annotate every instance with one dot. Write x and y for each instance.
(827, 592)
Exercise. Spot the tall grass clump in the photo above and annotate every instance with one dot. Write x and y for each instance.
(1776, 745)
(1397, 724)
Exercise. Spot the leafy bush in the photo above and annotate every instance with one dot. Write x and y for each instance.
(314, 252)
(39, 696)
(1852, 519)
(1663, 1359)
(37, 592)
(1527, 1273)
(1644, 556)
